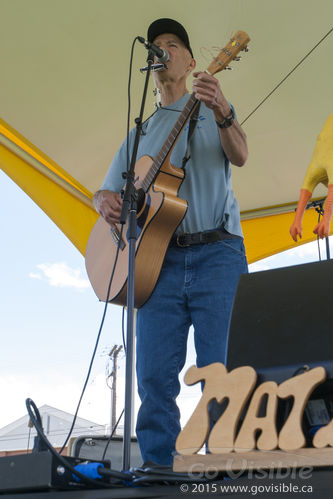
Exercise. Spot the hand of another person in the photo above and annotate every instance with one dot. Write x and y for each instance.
(296, 230)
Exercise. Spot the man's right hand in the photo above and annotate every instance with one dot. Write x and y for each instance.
(108, 204)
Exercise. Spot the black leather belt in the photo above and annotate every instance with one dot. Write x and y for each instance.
(209, 236)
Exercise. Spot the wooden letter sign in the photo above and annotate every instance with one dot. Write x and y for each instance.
(236, 387)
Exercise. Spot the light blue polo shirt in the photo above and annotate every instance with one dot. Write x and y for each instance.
(207, 186)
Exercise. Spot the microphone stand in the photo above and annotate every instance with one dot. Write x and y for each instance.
(319, 207)
(130, 207)
(320, 211)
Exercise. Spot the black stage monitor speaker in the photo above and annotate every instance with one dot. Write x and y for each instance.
(92, 447)
(283, 318)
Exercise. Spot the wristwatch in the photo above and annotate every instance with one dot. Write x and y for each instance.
(228, 121)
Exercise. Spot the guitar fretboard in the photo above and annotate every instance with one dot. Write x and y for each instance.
(169, 142)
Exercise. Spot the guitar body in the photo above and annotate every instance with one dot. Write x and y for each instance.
(160, 211)
(157, 219)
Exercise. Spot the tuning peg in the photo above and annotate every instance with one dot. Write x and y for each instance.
(238, 58)
(245, 49)
(228, 67)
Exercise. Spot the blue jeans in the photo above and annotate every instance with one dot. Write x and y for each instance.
(196, 286)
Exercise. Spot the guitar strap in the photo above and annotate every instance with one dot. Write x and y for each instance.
(193, 123)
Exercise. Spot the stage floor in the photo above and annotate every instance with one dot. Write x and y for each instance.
(317, 485)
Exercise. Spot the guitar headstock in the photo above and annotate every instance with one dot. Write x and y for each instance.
(237, 43)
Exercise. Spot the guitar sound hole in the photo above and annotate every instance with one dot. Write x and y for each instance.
(141, 199)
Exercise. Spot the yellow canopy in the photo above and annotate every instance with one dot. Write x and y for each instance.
(63, 100)
(60, 196)
(69, 204)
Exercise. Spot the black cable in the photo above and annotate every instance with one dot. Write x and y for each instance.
(287, 76)
(96, 344)
(111, 435)
(114, 266)
(127, 169)
(129, 107)
(36, 419)
(129, 104)
(153, 474)
(115, 474)
(111, 278)
(165, 475)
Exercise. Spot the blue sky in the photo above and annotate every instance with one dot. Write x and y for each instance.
(50, 317)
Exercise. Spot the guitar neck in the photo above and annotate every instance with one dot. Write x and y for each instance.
(170, 142)
(237, 43)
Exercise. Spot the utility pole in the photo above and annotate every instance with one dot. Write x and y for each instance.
(113, 374)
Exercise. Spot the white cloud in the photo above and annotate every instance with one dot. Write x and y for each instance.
(61, 275)
(35, 276)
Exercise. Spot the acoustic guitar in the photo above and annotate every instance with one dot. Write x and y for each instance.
(159, 213)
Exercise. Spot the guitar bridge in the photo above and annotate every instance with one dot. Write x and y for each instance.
(115, 234)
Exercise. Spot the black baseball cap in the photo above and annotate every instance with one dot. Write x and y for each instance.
(165, 25)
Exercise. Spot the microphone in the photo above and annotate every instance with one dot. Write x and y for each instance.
(161, 54)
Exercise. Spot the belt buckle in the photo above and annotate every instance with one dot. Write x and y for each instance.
(178, 242)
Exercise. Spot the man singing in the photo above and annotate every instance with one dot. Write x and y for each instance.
(205, 257)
